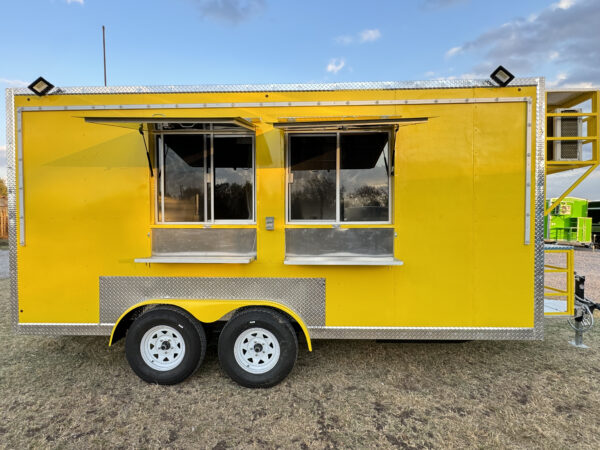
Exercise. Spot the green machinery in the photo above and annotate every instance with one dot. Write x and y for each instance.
(594, 213)
(569, 222)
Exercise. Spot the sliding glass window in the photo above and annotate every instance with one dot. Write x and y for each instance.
(339, 177)
(312, 185)
(205, 177)
(234, 176)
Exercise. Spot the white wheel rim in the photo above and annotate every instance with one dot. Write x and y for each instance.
(256, 350)
(162, 348)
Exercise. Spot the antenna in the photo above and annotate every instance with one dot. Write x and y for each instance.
(104, 51)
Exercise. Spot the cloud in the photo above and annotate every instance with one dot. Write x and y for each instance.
(344, 39)
(560, 78)
(453, 51)
(335, 65)
(14, 83)
(231, 11)
(368, 35)
(437, 4)
(75, 1)
(563, 37)
(563, 4)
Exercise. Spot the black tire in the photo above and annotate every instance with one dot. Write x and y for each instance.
(278, 326)
(189, 329)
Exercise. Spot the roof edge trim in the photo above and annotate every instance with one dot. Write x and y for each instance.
(289, 87)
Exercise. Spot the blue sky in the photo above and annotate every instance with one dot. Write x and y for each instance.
(263, 41)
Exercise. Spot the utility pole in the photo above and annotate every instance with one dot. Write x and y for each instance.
(104, 51)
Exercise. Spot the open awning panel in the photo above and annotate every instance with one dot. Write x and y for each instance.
(198, 123)
(177, 124)
(354, 123)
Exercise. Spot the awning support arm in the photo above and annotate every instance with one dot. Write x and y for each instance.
(141, 130)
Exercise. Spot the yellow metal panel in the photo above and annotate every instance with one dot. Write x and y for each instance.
(86, 197)
(571, 138)
(594, 127)
(503, 276)
(89, 209)
(587, 115)
(434, 199)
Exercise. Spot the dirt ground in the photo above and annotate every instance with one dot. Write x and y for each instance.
(76, 392)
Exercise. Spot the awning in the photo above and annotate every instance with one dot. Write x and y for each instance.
(352, 123)
(196, 124)
(232, 122)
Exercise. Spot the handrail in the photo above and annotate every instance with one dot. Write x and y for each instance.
(569, 271)
(593, 127)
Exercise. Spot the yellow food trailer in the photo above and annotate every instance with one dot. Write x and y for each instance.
(268, 212)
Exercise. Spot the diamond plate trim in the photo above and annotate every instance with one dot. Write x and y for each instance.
(66, 329)
(309, 87)
(12, 205)
(304, 296)
(540, 182)
(422, 333)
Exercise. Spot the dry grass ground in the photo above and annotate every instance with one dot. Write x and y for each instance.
(76, 392)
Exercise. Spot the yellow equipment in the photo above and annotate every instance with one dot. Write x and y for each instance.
(261, 208)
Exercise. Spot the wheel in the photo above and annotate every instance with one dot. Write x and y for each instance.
(165, 345)
(258, 347)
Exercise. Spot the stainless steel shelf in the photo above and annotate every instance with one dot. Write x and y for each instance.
(197, 259)
(341, 261)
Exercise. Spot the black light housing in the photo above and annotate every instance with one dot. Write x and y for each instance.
(502, 76)
(40, 86)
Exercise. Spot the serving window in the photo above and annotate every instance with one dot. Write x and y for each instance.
(205, 175)
(341, 177)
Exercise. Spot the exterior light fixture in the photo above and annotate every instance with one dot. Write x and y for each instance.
(40, 87)
(502, 76)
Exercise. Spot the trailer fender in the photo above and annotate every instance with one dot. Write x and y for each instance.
(205, 311)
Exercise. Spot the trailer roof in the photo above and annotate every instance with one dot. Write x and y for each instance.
(557, 97)
(351, 86)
